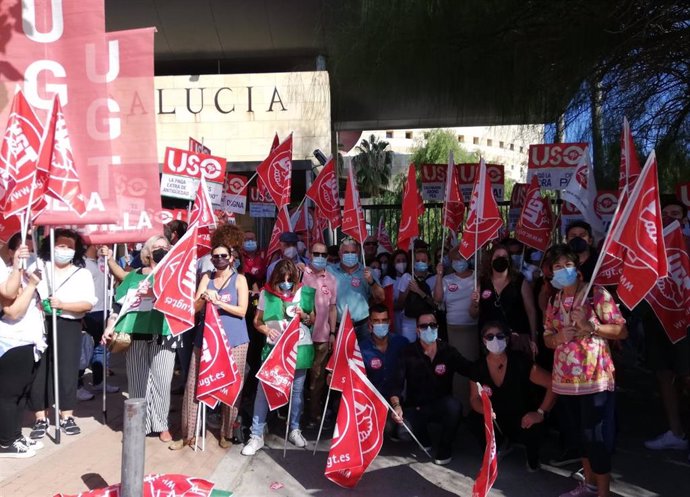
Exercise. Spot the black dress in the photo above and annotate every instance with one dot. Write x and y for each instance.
(507, 307)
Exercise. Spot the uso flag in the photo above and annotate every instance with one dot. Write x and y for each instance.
(536, 220)
(324, 192)
(489, 470)
(276, 171)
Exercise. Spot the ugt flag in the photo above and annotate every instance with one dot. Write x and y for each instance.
(489, 470)
(203, 217)
(275, 173)
(535, 225)
(346, 351)
(282, 225)
(324, 192)
(353, 215)
(453, 207)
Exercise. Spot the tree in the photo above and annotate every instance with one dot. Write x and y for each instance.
(435, 147)
(373, 166)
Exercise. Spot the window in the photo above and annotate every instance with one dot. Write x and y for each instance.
(522, 149)
(475, 141)
(512, 146)
(489, 142)
(389, 134)
(501, 145)
(461, 138)
(408, 135)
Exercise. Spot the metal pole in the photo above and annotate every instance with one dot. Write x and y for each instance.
(56, 382)
(106, 310)
(133, 448)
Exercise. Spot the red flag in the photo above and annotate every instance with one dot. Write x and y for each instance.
(384, 239)
(282, 225)
(219, 378)
(484, 220)
(275, 143)
(639, 232)
(489, 470)
(9, 225)
(353, 216)
(319, 225)
(359, 430)
(277, 372)
(301, 220)
(203, 216)
(346, 349)
(324, 192)
(629, 165)
(453, 207)
(163, 485)
(409, 219)
(536, 219)
(275, 173)
(175, 283)
(18, 156)
(670, 298)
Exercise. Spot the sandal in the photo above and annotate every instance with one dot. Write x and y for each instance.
(225, 443)
(180, 444)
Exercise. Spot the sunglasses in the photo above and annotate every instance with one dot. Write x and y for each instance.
(319, 254)
(490, 336)
(428, 325)
(220, 256)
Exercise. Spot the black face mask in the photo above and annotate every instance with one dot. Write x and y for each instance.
(158, 254)
(500, 264)
(578, 245)
(220, 264)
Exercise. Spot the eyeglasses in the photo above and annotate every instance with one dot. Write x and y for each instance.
(220, 256)
(428, 325)
(319, 254)
(490, 336)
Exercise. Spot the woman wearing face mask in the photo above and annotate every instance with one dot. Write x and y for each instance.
(280, 301)
(510, 376)
(72, 295)
(455, 292)
(415, 297)
(399, 266)
(505, 296)
(384, 259)
(150, 359)
(583, 371)
(226, 289)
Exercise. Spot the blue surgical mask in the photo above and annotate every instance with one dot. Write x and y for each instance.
(250, 245)
(380, 329)
(556, 284)
(349, 260)
(460, 265)
(420, 267)
(285, 285)
(517, 261)
(319, 263)
(428, 334)
(565, 277)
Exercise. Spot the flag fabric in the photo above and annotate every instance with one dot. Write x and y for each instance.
(346, 350)
(383, 238)
(581, 191)
(629, 164)
(453, 207)
(484, 220)
(282, 225)
(163, 485)
(219, 378)
(9, 225)
(318, 226)
(301, 220)
(409, 217)
(535, 225)
(203, 217)
(275, 143)
(275, 173)
(277, 372)
(670, 298)
(353, 223)
(640, 234)
(358, 436)
(489, 470)
(175, 283)
(324, 192)
(19, 151)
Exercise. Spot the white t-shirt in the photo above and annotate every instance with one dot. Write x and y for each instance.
(72, 285)
(97, 270)
(409, 325)
(457, 296)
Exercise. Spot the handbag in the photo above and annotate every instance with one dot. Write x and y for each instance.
(120, 342)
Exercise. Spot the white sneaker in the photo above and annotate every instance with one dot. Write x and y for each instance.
(84, 394)
(666, 441)
(253, 446)
(33, 444)
(17, 450)
(295, 437)
(108, 388)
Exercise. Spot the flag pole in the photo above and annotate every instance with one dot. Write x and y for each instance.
(404, 425)
(451, 163)
(287, 421)
(323, 417)
(106, 310)
(246, 185)
(56, 383)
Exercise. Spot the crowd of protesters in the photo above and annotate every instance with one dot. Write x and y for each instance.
(519, 321)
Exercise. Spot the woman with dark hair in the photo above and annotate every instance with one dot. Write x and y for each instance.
(505, 296)
(226, 289)
(578, 327)
(71, 295)
(416, 296)
(280, 301)
(400, 264)
(511, 376)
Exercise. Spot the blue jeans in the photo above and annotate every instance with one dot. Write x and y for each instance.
(261, 405)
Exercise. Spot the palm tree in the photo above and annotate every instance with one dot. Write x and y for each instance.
(373, 166)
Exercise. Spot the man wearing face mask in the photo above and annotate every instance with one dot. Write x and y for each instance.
(425, 374)
(253, 261)
(288, 249)
(356, 285)
(323, 332)
(580, 240)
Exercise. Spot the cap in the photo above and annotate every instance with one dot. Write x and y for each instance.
(288, 237)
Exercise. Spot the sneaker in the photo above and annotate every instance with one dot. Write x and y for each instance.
(34, 444)
(108, 388)
(582, 490)
(84, 394)
(40, 428)
(253, 446)
(443, 456)
(667, 440)
(69, 426)
(568, 456)
(533, 466)
(295, 438)
(18, 450)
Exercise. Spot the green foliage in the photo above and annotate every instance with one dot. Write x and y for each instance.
(373, 166)
(435, 147)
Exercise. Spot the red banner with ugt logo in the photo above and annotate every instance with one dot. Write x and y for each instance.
(278, 370)
(535, 225)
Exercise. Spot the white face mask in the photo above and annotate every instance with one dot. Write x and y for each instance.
(400, 267)
(496, 346)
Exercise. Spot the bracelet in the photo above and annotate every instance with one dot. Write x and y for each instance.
(542, 412)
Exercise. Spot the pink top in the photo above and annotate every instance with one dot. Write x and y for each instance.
(326, 288)
(583, 365)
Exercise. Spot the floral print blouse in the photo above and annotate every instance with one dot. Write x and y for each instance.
(583, 365)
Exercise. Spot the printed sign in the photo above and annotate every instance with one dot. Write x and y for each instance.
(235, 196)
(182, 170)
(683, 193)
(554, 163)
(434, 180)
(198, 147)
(605, 206)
